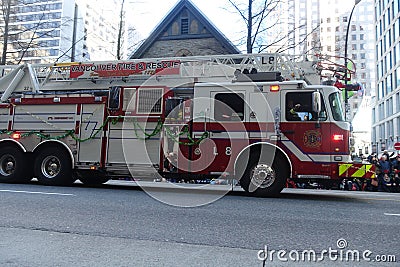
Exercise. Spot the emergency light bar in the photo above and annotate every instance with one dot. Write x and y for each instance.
(271, 76)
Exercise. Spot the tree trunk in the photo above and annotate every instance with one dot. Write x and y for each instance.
(121, 22)
(6, 12)
(250, 27)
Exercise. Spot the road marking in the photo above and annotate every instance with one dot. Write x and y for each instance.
(392, 214)
(38, 193)
(381, 199)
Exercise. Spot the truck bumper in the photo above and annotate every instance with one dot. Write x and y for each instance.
(357, 170)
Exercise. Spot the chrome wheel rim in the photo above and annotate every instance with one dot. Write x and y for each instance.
(262, 176)
(51, 167)
(7, 165)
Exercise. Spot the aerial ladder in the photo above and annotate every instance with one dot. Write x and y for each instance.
(39, 78)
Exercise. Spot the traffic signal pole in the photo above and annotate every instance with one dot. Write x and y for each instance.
(346, 94)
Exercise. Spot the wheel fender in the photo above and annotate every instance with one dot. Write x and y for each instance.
(264, 146)
(59, 143)
(14, 142)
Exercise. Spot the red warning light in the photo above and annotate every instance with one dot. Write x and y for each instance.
(338, 137)
(16, 136)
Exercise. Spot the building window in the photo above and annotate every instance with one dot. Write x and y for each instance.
(397, 78)
(389, 107)
(398, 126)
(185, 26)
(389, 84)
(397, 52)
(389, 61)
(381, 87)
(391, 129)
(381, 111)
(373, 115)
(398, 102)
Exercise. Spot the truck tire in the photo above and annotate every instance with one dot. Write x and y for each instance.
(263, 179)
(14, 166)
(53, 167)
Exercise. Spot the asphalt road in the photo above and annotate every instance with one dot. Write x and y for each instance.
(124, 226)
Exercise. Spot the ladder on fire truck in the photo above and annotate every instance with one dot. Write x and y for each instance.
(35, 78)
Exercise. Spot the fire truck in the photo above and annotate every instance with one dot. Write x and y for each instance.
(257, 118)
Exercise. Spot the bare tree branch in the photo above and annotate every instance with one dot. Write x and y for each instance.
(241, 13)
(255, 18)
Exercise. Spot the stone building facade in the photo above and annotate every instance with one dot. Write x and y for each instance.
(188, 47)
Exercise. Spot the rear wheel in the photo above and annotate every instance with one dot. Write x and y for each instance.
(265, 178)
(53, 166)
(14, 166)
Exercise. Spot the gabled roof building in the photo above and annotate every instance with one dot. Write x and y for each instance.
(185, 31)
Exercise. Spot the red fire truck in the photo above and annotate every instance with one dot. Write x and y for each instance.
(253, 118)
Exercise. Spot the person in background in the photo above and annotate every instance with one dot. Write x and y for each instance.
(396, 173)
(372, 159)
(384, 173)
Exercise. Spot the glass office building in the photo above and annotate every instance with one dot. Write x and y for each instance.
(386, 111)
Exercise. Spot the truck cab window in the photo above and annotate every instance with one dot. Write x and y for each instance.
(229, 107)
(336, 106)
(299, 107)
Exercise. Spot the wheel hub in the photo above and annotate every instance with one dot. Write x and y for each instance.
(51, 167)
(7, 166)
(263, 176)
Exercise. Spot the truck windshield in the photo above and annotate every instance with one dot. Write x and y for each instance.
(336, 107)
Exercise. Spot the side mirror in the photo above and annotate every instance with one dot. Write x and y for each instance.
(114, 97)
(316, 102)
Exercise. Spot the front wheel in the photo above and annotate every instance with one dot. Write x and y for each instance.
(53, 167)
(263, 178)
